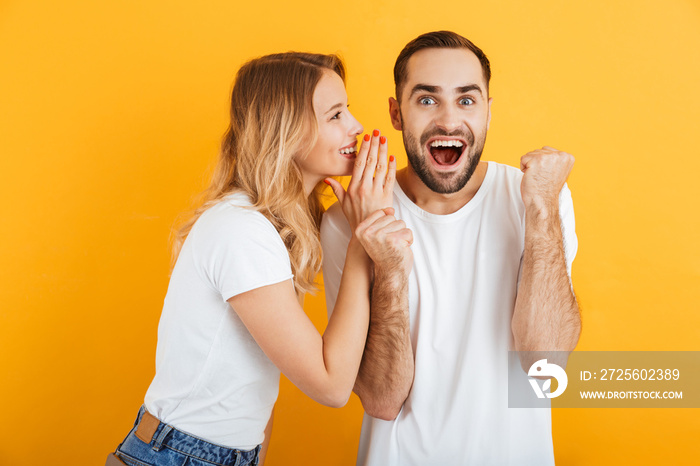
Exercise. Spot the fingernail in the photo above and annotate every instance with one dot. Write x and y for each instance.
(375, 133)
(382, 140)
(327, 182)
(391, 158)
(366, 137)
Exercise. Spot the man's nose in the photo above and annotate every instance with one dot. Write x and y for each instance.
(447, 119)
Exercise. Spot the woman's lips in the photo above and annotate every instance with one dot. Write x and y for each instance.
(349, 151)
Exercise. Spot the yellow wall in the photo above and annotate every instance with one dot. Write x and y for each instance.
(111, 114)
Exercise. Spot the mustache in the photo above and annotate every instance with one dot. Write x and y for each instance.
(466, 135)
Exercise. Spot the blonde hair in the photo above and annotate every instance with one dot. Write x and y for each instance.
(272, 121)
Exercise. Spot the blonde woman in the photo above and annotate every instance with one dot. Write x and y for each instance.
(232, 318)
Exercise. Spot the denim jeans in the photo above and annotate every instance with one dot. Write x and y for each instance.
(171, 447)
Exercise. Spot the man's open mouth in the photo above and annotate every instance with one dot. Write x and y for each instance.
(446, 152)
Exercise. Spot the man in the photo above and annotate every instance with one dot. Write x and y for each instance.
(492, 252)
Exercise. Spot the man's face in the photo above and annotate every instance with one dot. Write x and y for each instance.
(444, 113)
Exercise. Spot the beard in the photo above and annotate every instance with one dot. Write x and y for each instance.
(443, 182)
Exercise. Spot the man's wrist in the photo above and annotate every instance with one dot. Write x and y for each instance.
(390, 274)
(542, 209)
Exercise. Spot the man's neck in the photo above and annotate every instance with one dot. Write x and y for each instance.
(436, 203)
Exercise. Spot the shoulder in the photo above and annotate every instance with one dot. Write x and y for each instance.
(334, 213)
(232, 224)
(334, 219)
(503, 173)
(236, 248)
(334, 226)
(508, 176)
(233, 214)
(502, 184)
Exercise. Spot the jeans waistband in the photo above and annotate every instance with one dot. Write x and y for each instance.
(167, 435)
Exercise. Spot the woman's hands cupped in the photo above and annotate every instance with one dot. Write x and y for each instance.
(372, 184)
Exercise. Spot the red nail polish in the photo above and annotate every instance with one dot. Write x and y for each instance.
(375, 133)
(327, 182)
(391, 158)
(382, 140)
(366, 137)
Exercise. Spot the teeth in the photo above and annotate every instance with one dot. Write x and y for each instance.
(446, 143)
(349, 150)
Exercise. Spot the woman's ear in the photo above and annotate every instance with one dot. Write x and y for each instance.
(395, 114)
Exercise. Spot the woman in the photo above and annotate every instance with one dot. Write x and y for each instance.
(232, 318)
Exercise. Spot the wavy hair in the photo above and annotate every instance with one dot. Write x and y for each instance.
(272, 122)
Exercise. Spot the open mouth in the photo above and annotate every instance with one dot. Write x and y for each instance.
(446, 152)
(349, 151)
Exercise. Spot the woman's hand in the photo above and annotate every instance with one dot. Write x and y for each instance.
(372, 183)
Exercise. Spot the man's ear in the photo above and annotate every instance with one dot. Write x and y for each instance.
(395, 114)
(488, 122)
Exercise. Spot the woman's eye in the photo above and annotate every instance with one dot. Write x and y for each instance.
(426, 101)
(336, 116)
(466, 101)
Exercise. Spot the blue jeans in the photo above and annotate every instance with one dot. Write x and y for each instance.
(171, 447)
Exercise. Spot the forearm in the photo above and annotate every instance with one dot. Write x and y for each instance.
(546, 315)
(345, 335)
(386, 371)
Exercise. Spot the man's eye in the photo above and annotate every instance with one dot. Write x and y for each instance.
(426, 101)
(466, 101)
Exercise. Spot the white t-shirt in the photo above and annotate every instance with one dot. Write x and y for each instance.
(461, 295)
(212, 380)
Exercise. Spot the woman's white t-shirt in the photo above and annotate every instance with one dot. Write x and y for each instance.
(212, 379)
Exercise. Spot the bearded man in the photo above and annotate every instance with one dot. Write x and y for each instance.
(492, 253)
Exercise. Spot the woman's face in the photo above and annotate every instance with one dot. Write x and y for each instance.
(334, 151)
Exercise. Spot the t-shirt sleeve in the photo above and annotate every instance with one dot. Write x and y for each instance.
(240, 250)
(335, 236)
(568, 226)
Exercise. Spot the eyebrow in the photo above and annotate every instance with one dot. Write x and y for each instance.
(438, 89)
(335, 107)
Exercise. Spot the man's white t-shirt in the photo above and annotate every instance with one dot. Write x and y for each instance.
(212, 379)
(462, 291)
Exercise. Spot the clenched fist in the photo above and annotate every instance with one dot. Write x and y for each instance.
(545, 172)
(387, 241)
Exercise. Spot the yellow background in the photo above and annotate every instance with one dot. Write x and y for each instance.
(111, 114)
